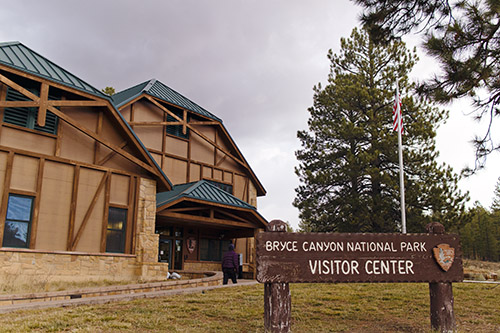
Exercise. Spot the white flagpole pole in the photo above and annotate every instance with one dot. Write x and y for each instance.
(400, 151)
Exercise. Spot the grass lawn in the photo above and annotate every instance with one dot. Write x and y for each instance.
(315, 308)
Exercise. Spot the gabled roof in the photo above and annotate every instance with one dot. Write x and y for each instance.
(159, 90)
(16, 55)
(201, 190)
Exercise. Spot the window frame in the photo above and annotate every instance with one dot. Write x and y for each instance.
(123, 230)
(29, 222)
(223, 245)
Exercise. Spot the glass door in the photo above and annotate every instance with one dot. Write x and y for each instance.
(165, 251)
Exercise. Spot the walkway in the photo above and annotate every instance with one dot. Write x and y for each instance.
(108, 294)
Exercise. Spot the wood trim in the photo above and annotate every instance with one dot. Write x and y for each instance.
(194, 130)
(17, 87)
(86, 218)
(65, 161)
(106, 212)
(5, 195)
(135, 212)
(87, 132)
(42, 109)
(191, 218)
(3, 96)
(36, 209)
(234, 216)
(23, 192)
(98, 132)
(51, 83)
(111, 154)
(130, 211)
(184, 116)
(57, 151)
(72, 211)
(33, 131)
(77, 103)
(104, 142)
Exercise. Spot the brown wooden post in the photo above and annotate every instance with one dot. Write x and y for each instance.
(277, 298)
(441, 296)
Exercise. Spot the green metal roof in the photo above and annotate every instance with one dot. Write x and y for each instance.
(201, 190)
(16, 55)
(159, 90)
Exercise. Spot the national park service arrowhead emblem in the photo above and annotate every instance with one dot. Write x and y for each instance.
(444, 255)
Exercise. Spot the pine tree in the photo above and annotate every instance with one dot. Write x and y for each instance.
(495, 206)
(464, 37)
(348, 162)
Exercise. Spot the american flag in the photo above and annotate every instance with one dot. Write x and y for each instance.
(397, 115)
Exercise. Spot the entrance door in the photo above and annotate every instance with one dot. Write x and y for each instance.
(178, 254)
(165, 251)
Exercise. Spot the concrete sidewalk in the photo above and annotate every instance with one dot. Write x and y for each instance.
(117, 298)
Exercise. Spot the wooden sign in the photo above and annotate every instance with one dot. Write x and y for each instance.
(335, 257)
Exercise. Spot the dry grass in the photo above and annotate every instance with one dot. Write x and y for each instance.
(315, 308)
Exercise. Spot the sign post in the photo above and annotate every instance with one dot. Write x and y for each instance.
(284, 258)
(277, 298)
(441, 296)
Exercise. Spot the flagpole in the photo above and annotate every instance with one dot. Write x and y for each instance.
(400, 151)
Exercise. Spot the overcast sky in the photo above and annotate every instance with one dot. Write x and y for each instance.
(251, 63)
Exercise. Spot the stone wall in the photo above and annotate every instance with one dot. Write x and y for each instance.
(25, 266)
(146, 241)
(202, 266)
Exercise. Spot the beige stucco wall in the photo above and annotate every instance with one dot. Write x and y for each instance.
(20, 266)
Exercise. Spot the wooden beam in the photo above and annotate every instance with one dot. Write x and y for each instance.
(51, 83)
(73, 123)
(17, 87)
(3, 95)
(33, 104)
(233, 216)
(106, 213)
(184, 116)
(98, 132)
(57, 151)
(42, 109)
(136, 212)
(66, 161)
(188, 209)
(86, 218)
(72, 210)
(203, 136)
(36, 208)
(19, 104)
(192, 218)
(111, 154)
(77, 103)
(130, 211)
(5, 195)
(104, 142)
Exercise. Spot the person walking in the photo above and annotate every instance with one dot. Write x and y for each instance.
(230, 265)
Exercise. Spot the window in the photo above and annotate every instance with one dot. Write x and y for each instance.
(18, 221)
(177, 129)
(225, 187)
(212, 249)
(26, 117)
(117, 224)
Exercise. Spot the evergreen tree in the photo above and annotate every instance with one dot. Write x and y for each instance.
(110, 91)
(480, 237)
(495, 206)
(349, 158)
(463, 36)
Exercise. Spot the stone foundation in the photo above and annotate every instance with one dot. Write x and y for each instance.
(26, 266)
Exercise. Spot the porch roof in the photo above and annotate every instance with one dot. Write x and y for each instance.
(201, 190)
